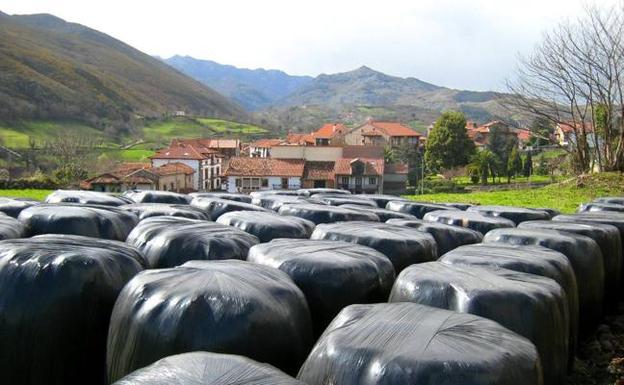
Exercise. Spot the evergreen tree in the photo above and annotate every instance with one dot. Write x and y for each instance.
(514, 164)
(527, 167)
(448, 145)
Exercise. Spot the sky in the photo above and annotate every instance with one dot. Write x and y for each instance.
(463, 44)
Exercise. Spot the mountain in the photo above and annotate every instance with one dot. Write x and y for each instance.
(302, 102)
(253, 89)
(53, 69)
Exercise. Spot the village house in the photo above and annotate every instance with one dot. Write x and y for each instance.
(176, 177)
(480, 135)
(385, 134)
(330, 134)
(262, 148)
(246, 174)
(565, 134)
(360, 175)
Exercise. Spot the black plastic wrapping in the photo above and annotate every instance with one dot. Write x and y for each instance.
(551, 212)
(232, 307)
(78, 219)
(470, 220)
(381, 199)
(458, 206)
(10, 227)
(417, 209)
(274, 202)
(312, 191)
(610, 200)
(171, 241)
(446, 236)
(13, 206)
(268, 226)
(147, 210)
(409, 344)
(383, 214)
(155, 196)
(591, 207)
(57, 296)
(536, 260)
(325, 214)
(223, 195)
(84, 197)
(215, 207)
(608, 239)
(331, 274)
(402, 245)
(531, 305)
(203, 368)
(261, 193)
(343, 199)
(586, 260)
(515, 214)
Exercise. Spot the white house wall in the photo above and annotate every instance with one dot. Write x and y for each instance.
(194, 164)
(310, 153)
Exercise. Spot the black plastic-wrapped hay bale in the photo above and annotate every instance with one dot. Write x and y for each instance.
(594, 206)
(207, 369)
(533, 306)
(343, 199)
(608, 239)
(381, 199)
(13, 206)
(274, 202)
(515, 214)
(57, 295)
(78, 219)
(261, 193)
(407, 343)
(551, 212)
(318, 213)
(470, 220)
(417, 209)
(10, 227)
(171, 241)
(446, 236)
(536, 260)
(402, 245)
(147, 210)
(268, 226)
(223, 195)
(84, 197)
(215, 207)
(585, 257)
(331, 274)
(383, 214)
(312, 191)
(156, 196)
(457, 205)
(233, 307)
(610, 200)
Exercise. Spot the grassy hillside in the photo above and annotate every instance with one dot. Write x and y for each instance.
(564, 196)
(163, 131)
(52, 69)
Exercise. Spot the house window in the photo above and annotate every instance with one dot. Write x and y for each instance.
(255, 183)
(285, 183)
(344, 180)
(171, 186)
(238, 182)
(372, 180)
(246, 183)
(265, 182)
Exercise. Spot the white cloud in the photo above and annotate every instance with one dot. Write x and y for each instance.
(469, 44)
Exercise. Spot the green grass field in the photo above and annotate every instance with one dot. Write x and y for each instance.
(19, 134)
(565, 196)
(165, 130)
(26, 193)
(129, 155)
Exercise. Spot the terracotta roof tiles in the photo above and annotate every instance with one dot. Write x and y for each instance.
(244, 166)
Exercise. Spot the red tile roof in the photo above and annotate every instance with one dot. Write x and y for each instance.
(319, 170)
(208, 143)
(266, 143)
(394, 128)
(300, 139)
(173, 168)
(568, 127)
(244, 166)
(396, 168)
(372, 166)
(329, 130)
(179, 151)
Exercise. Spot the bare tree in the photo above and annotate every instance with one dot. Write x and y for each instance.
(575, 77)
